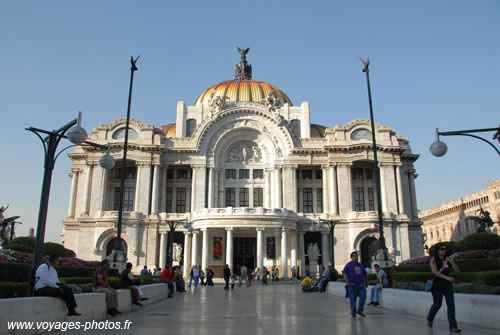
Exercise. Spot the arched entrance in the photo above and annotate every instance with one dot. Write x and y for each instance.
(369, 248)
(111, 245)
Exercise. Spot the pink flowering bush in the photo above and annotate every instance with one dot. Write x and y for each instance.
(7, 255)
(417, 261)
(470, 254)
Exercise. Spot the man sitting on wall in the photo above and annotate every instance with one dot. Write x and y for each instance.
(101, 285)
(47, 284)
(128, 282)
(179, 281)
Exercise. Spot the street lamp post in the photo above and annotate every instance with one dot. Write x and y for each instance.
(382, 250)
(331, 224)
(117, 254)
(173, 224)
(77, 135)
(439, 148)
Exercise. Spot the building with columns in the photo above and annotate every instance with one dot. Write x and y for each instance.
(455, 219)
(251, 174)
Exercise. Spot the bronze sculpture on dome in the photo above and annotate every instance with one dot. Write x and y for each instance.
(243, 69)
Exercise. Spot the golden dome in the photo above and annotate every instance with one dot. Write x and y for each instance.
(243, 90)
(169, 130)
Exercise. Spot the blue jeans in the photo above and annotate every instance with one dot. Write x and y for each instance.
(196, 278)
(437, 298)
(355, 291)
(375, 293)
(322, 283)
(190, 281)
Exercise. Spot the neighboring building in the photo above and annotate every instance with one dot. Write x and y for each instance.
(454, 220)
(251, 173)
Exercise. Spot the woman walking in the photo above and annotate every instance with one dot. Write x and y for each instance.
(441, 267)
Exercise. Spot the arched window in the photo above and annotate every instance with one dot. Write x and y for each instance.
(296, 127)
(190, 126)
(120, 133)
(111, 246)
(361, 134)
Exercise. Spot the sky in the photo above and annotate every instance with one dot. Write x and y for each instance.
(433, 64)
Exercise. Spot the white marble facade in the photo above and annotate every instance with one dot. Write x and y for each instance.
(239, 167)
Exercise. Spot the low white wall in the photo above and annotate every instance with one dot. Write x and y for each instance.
(92, 306)
(475, 309)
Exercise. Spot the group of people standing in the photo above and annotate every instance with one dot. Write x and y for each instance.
(356, 283)
(196, 275)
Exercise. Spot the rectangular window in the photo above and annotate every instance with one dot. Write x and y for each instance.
(170, 173)
(128, 199)
(130, 172)
(371, 199)
(319, 174)
(230, 173)
(258, 174)
(307, 174)
(180, 200)
(357, 173)
(243, 197)
(369, 174)
(182, 174)
(244, 173)
(230, 197)
(319, 200)
(308, 200)
(169, 199)
(359, 199)
(258, 198)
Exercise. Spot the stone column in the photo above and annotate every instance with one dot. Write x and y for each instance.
(413, 195)
(104, 189)
(345, 188)
(72, 197)
(401, 208)
(279, 193)
(383, 188)
(211, 188)
(289, 188)
(325, 250)
(229, 248)
(204, 250)
(284, 254)
(332, 196)
(326, 202)
(88, 184)
(163, 249)
(154, 198)
(293, 251)
(163, 191)
(302, 254)
(267, 189)
(194, 175)
(220, 185)
(260, 248)
(137, 187)
(194, 253)
(187, 254)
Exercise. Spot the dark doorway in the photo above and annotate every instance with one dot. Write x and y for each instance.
(244, 251)
(178, 239)
(369, 248)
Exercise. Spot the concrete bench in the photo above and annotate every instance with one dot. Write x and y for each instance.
(92, 306)
(475, 309)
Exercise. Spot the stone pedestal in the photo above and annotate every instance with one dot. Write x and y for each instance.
(382, 258)
(117, 260)
(313, 269)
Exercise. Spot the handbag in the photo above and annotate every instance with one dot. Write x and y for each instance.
(430, 282)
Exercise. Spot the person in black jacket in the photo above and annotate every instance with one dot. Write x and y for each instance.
(227, 275)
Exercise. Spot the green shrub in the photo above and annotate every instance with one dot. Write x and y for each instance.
(475, 265)
(371, 276)
(409, 277)
(401, 285)
(87, 288)
(481, 241)
(486, 289)
(75, 288)
(464, 287)
(452, 246)
(23, 244)
(13, 290)
(77, 280)
(51, 248)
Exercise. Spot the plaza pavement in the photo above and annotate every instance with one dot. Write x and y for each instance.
(275, 309)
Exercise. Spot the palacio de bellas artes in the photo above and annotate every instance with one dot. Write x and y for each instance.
(252, 176)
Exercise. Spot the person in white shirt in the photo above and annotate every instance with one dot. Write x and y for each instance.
(47, 285)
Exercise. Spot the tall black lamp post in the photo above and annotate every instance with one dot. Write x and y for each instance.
(77, 135)
(381, 242)
(117, 254)
(331, 224)
(173, 224)
(439, 148)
